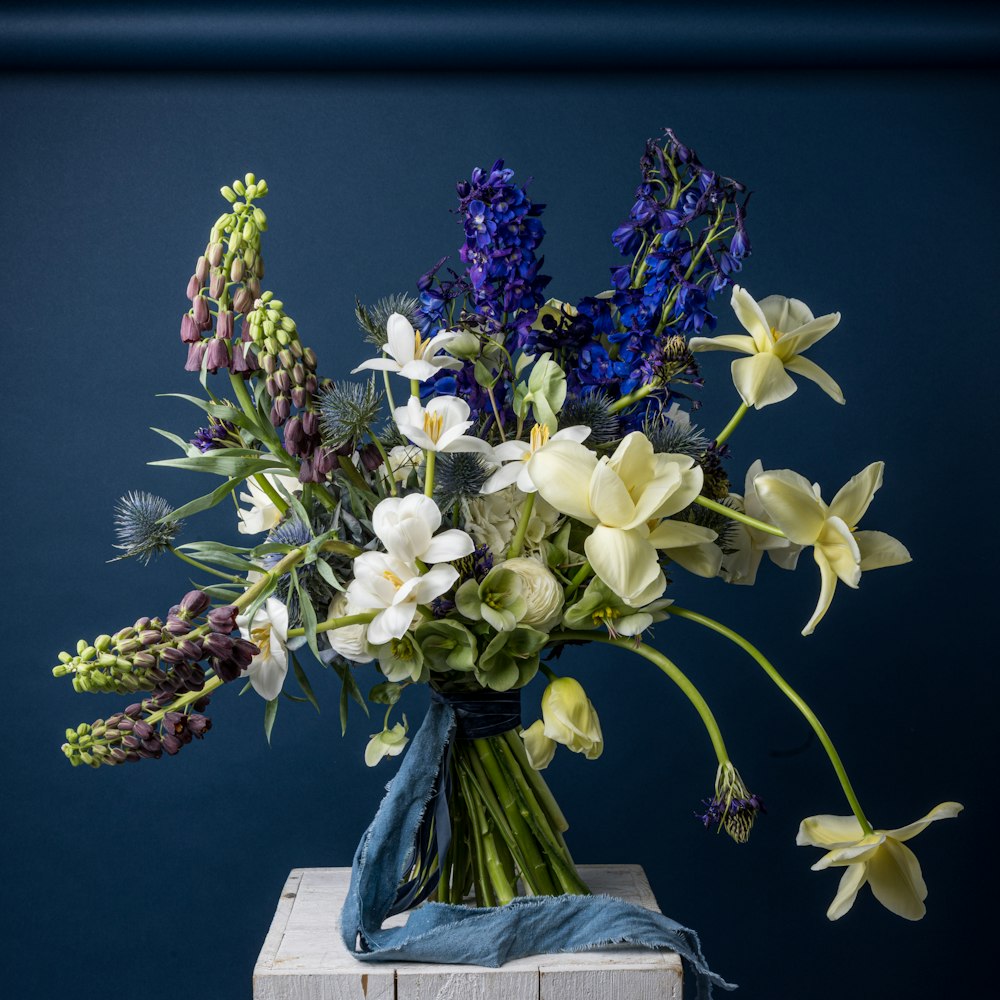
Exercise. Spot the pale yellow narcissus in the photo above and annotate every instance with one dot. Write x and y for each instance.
(878, 858)
(840, 551)
(780, 330)
(409, 354)
(628, 499)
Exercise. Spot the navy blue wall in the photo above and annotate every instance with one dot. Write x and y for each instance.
(875, 195)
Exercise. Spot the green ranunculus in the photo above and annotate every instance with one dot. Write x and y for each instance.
(447, 645)
(511, 659)
(498, 600)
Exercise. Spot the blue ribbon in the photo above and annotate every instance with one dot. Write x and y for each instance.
(466, 935)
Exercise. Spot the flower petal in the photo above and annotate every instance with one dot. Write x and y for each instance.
(841, 551)
(624, 560)
(578, 433)
(783, 313)
(401, 340)
(561, 471)
(879, 550)
(449, 545)
(828, 831)
(609, 498)
(788, 500)
(434, 583)
(801, 338)
(378, 365)
(896, 881)
(677, 534)
(727, 342)
(502, 478)
(749, 313)
(267, 673)
(946, 810)
(633, 459)
(828, 584)
(851, 881)
(702, 560)
(761, 380)
(810, 370)
(855, 496)
(391, 623)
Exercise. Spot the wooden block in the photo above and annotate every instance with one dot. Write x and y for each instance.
(303, 957)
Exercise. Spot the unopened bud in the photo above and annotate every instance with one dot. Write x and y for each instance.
(228, 193)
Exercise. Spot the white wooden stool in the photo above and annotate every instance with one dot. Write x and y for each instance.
(303, 957)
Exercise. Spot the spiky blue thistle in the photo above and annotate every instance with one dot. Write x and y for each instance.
(142, 526)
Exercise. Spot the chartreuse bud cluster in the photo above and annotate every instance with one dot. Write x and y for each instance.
(227, 275)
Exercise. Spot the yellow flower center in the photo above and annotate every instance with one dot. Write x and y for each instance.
(393, 579)
(433, 425)
(419, 345)
(775, 332)
(539, 439)
(261, 638)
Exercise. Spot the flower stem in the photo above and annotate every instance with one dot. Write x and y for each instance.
(430, 458)
(671, 670)
(496, 412)
(740, 413)
(204, 569)
(517, 543)
(388, 465)
(273, 495)
(388, 393)
(363, 618)
(633, 397)
(581, 574)
(735, 515)
(792, 695)
(414, 388)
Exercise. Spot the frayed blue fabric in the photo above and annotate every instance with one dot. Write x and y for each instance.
(489, 936)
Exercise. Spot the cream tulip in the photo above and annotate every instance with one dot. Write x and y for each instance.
(569, 718)
(263, 513)
(539, 748)
(878, 858)
(627, 500)
(440, 426)
(269, 633)
(840, 551)
(406, 526)
(409, 355)
(515, 456)
(780, 330)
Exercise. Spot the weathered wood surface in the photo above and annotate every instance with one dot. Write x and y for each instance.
(303, 957)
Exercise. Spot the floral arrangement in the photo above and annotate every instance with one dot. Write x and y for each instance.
(510, 475)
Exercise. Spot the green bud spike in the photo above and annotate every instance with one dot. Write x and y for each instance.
(240, 189)
(251, 191)
(260, 218)
(102, 642)
(64, 657)
(228, 193)
(249, 230)
(81, 646)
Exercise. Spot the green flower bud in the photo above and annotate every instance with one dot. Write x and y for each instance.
(102, 642)
(251, 192)
(447, 645)
(249, 230)
(228, 193)
(260, 218)
(235, 240)
(240, 189)
(466, 346)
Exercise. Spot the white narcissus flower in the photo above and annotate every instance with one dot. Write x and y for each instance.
(263, 514)
(516, 454)
(627, 500)
(394, 589)
(388, 743)
(539, 748)
(569, 718)
(780, 330)
(350, 641)
(409, 354)
(749, 544)
(878, 858)
(440, 426)
(840, 551)
(269, 633)
(541, 591)
(406, 526)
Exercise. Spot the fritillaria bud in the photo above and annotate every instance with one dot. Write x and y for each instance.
(202, 316)
(217, 284)
(300, 397)
(223, 618)
(201, 270)
(196, 354)
(218, 644)
(243, 301)
(215, 254)
(236, 270)
(224, 324)
(294, 436)
(193, 603)
(310, 423)
(194, 287)
(190, 334)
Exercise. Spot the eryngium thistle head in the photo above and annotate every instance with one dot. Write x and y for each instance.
(733, 808)
(138, 526)
(592, 410)
(347, 411)
(716, 482)
(458, 476)
(675, 437)
(372, 319)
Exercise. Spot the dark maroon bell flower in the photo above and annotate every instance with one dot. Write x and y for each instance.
(223, 619)
(193, 603)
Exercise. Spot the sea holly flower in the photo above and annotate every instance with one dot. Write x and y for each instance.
(879, 858)
(406, 527)
(498, 600)
(511, 658)
(627, 500)
(840, 551)
(447, 645)
(440, 426)
(388, 743)
(394, 589)
(780, 330)
(569, 718)
(748, 545)
(599, 606)
(263, 514)
(269, 633)
(410, 355)
(515, 456)
(539, 748)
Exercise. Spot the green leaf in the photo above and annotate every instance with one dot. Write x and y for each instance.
(326, 571)
(270, 711)
(241, 462)
(207, 501)
(258, 601)
(300, 676)
(308, 614)
(173, 438)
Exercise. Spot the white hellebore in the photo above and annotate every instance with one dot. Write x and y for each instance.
(878, 858)
(263, 514)
(406, 527)
(269, 633)
(517, 454)
(840, 551)
(626, 499)
(780, 330)
(749, 544)
(440, 426)
(409, 354)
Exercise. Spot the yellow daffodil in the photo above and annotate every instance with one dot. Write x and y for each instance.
(878, 858)
(840, 551)
(780, 330)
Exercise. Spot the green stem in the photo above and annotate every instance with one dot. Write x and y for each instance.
(671, 670)
(388, 393)
(414, 388)
(581, 574)
(272, 443)
(334, 623)
(736, 515)
(633, 397)
(388, 466)
(204, 569)
(430, 459)
(273, 495)
(184, 700)
(723, 435)
(496, 412)
(793, 696)
(517, 543)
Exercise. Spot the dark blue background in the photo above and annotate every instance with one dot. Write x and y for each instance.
(875, 195)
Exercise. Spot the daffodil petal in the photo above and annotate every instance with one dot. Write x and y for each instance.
(946, 810)
(896, 880)
(762, 380)
(624, 560)
(855, 496)
(828, 831)
(727, 342)
(788, 500)
(828, 584)
(851, 882)
(879, 550)
(801, 338)
(812, 371)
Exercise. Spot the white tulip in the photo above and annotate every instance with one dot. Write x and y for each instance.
(409, 354)
(780, 330)
(840, 551)
(263, 514)
(269, 633)
(440, 426)
(403, 459)
(516, 454)
(569, 718)
(541, 591)
(406, 526)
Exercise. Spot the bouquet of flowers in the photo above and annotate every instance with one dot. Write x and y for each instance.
(510, 475)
